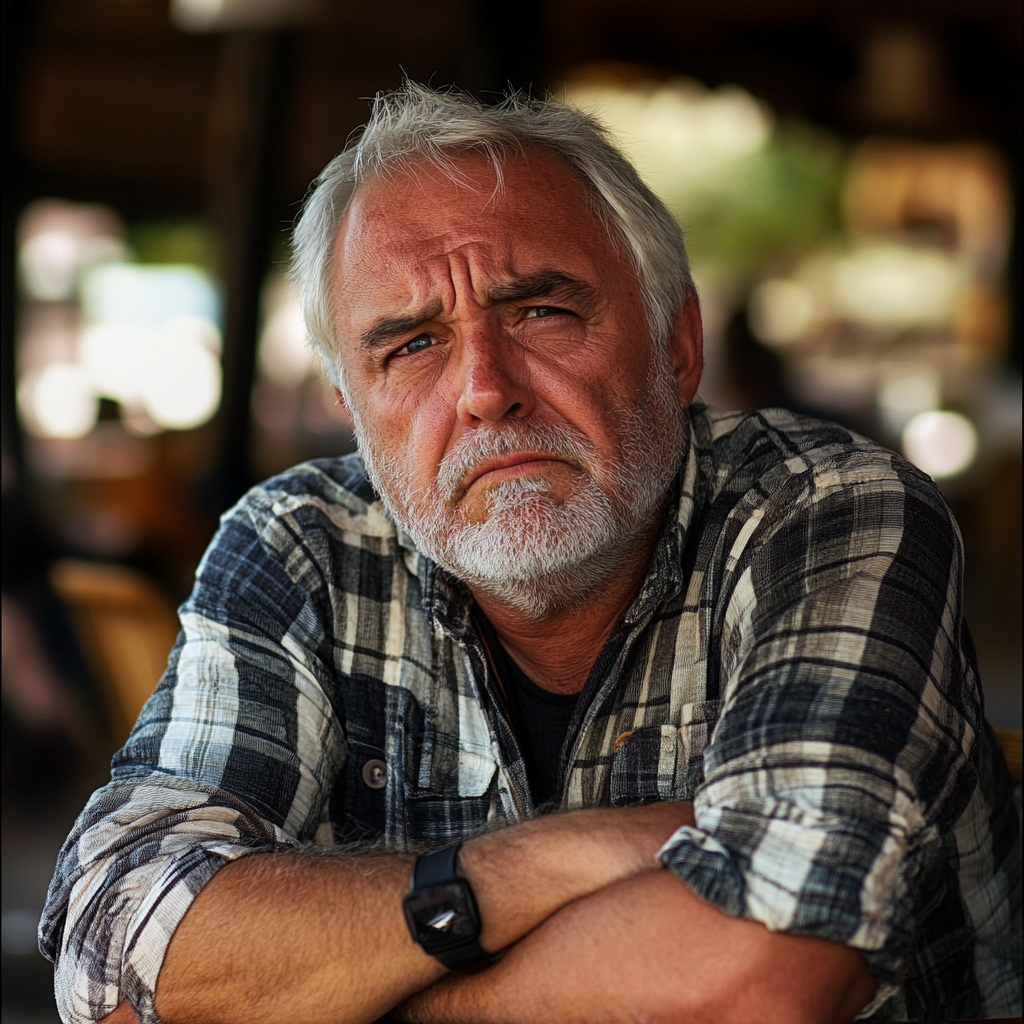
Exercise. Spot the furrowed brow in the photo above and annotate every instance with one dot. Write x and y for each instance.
(548, 284)
(387, 328)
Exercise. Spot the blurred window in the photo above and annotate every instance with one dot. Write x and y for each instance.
(96, 325)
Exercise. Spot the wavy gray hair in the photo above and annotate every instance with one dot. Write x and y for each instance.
(415, 123)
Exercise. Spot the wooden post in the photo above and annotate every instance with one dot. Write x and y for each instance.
(243, 146)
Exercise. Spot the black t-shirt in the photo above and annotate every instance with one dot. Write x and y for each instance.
(540, 719)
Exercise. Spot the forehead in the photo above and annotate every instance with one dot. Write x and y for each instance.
(406, 230)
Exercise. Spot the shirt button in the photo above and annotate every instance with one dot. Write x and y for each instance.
(375, 774)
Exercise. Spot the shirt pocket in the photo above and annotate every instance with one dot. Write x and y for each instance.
(663, 762)
(449, 761)
(377, 802)
(450, 795)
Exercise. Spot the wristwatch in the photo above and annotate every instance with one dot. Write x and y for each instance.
(442, 914)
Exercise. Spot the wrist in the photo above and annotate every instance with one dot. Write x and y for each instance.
(523, 874)
(442, 914)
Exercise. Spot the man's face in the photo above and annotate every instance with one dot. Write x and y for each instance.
(511, 409)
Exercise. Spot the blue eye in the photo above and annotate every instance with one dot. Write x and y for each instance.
(418, 344)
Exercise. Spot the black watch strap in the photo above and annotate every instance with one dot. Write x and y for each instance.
(437, 867)
(441, 868)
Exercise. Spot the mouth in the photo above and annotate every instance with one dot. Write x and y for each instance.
(506, 467)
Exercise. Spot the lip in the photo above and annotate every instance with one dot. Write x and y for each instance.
(505, 466)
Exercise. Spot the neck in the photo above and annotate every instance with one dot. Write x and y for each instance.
(558, 649)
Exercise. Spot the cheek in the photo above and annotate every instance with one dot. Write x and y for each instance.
(590, 397)
(603, 373)
(413, 431)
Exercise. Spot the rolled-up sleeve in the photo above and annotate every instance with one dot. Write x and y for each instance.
(848, 743)
(234, 753)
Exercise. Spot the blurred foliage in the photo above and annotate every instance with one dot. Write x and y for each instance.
(770, 207)
(178, 241)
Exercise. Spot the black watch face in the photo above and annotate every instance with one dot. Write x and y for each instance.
(442, 917)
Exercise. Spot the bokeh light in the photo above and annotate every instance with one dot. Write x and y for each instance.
(144, 335)
(114, 356)
(940, 442)
(894, 286)
(181, 384)
(781, 311)
(58, 240)
(58, 401)
(679, 132)
(284, 356)
(141, 295)
(906, 389)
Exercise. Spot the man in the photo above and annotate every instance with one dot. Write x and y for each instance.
(728, 647)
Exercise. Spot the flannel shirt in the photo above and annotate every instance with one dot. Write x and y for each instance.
(795, 663)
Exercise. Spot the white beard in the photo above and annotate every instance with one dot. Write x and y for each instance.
(534, 553)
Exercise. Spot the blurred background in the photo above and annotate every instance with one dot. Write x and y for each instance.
(845, 174)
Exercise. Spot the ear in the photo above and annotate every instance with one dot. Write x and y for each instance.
(686, 347)
(340, 397)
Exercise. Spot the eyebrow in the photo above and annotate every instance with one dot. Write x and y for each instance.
(544, 283)
(383, 331)
(551, 283)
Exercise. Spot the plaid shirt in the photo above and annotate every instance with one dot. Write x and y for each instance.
(795, 663)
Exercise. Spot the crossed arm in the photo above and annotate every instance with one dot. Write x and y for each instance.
(594, 931)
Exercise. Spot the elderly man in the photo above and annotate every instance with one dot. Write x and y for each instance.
(728, 647)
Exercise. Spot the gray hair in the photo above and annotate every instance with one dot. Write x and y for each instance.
(415, 123)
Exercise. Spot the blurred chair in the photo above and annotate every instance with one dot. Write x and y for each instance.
(1010, 741)
(125, 626)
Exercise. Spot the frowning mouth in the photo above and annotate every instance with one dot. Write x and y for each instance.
(493, 471)
(481, 462)
(505, 467)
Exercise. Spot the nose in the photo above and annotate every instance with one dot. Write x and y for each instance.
(496, 379)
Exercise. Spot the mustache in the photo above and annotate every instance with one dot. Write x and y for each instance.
(509, 438)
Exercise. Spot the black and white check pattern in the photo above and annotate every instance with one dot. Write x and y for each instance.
(795, 663)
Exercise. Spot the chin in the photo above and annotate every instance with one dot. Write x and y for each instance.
(533, 553)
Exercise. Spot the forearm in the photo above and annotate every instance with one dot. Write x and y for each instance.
(305, 938)
(523, 875)
(647, 949)
(313, 938)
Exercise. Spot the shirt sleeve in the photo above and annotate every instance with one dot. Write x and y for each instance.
(234, 753)
(848, 739)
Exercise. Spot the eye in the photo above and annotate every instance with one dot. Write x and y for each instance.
(539, 312)
(418, 344)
